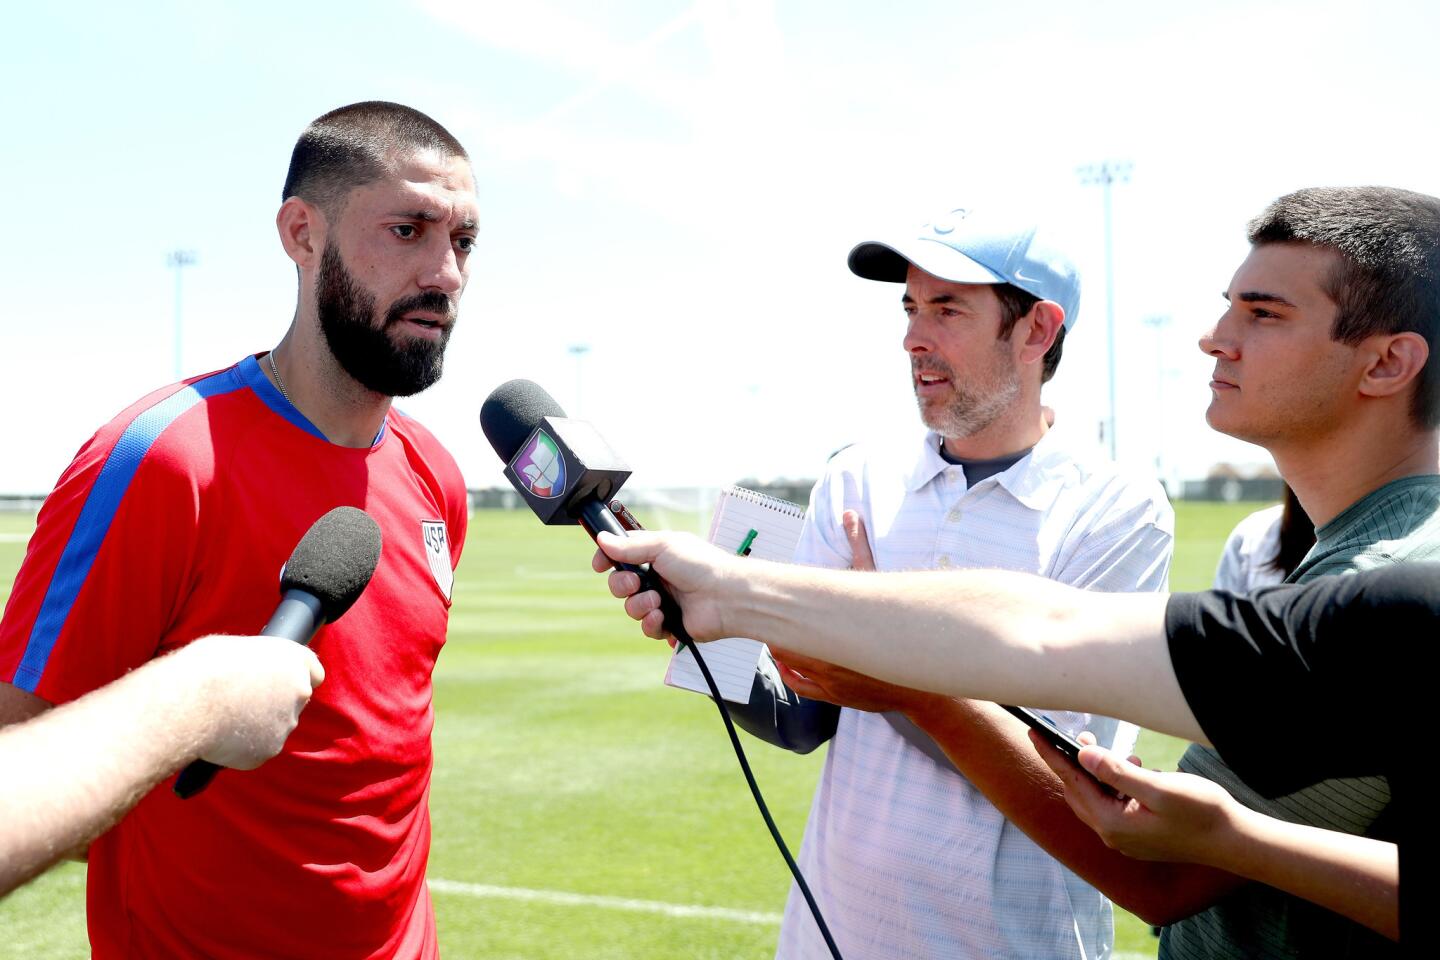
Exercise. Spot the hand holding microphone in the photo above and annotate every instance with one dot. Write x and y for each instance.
(252, 689)
(567, 474)
(693, 572)
(330, 568)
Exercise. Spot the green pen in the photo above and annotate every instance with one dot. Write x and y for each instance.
(749, 541)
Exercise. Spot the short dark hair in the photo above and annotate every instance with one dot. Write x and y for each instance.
(359, 144)
(1388, 278)
(1016, 303)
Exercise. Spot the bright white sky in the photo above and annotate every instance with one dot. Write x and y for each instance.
(676, 185)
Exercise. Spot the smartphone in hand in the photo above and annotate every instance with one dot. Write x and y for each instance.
(1056, 737)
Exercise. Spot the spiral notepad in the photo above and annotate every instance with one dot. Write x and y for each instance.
(766, 528)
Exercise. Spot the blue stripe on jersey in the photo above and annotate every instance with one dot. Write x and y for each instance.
(256, 380)
(275, 400)
(98, 512)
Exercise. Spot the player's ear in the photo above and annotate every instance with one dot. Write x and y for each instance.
(302, 232)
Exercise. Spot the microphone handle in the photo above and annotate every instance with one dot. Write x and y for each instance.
(296, 618)
(595, 516)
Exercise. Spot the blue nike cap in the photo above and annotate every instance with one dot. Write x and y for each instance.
(965, 246)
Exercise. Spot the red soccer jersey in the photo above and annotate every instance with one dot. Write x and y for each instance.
(173, 523)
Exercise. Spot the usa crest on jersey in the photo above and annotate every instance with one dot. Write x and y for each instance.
(437, 552)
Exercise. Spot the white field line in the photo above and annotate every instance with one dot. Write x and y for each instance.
(14, 537)
(561, 898)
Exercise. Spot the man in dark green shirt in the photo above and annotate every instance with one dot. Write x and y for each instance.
(1323, 357)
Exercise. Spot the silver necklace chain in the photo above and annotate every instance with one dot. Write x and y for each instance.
(278, 382)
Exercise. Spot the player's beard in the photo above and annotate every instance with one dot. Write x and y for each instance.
(368, 352)
(970, 408)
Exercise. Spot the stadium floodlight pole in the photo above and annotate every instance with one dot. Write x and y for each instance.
(578, 351)
(1107, 174)
(1159, 323)
(178, 260)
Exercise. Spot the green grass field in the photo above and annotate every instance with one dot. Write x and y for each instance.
(581, 808)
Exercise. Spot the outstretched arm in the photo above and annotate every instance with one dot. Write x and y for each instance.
(1023, 639)
(73, 771)
(1005, 636)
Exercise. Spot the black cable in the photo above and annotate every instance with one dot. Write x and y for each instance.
(674, 622)
(684, 637)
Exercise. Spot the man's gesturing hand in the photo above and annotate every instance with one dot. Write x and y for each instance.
(693, 571)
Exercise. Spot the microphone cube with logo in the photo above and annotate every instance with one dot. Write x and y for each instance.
(563, 464)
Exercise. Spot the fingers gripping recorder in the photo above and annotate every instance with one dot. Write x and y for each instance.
(563, 468)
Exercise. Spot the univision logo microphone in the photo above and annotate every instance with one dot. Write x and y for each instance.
(540, 467)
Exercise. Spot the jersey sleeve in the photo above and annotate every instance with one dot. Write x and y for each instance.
(106, 568)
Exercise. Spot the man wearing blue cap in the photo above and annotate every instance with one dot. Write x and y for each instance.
(914, 846)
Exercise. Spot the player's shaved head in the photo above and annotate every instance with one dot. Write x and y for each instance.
(359, 144)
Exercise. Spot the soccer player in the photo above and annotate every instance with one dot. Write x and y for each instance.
(173, 523)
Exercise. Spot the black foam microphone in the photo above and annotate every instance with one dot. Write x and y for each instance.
(328, 570)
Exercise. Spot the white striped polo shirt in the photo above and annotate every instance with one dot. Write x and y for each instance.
(905, 857)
